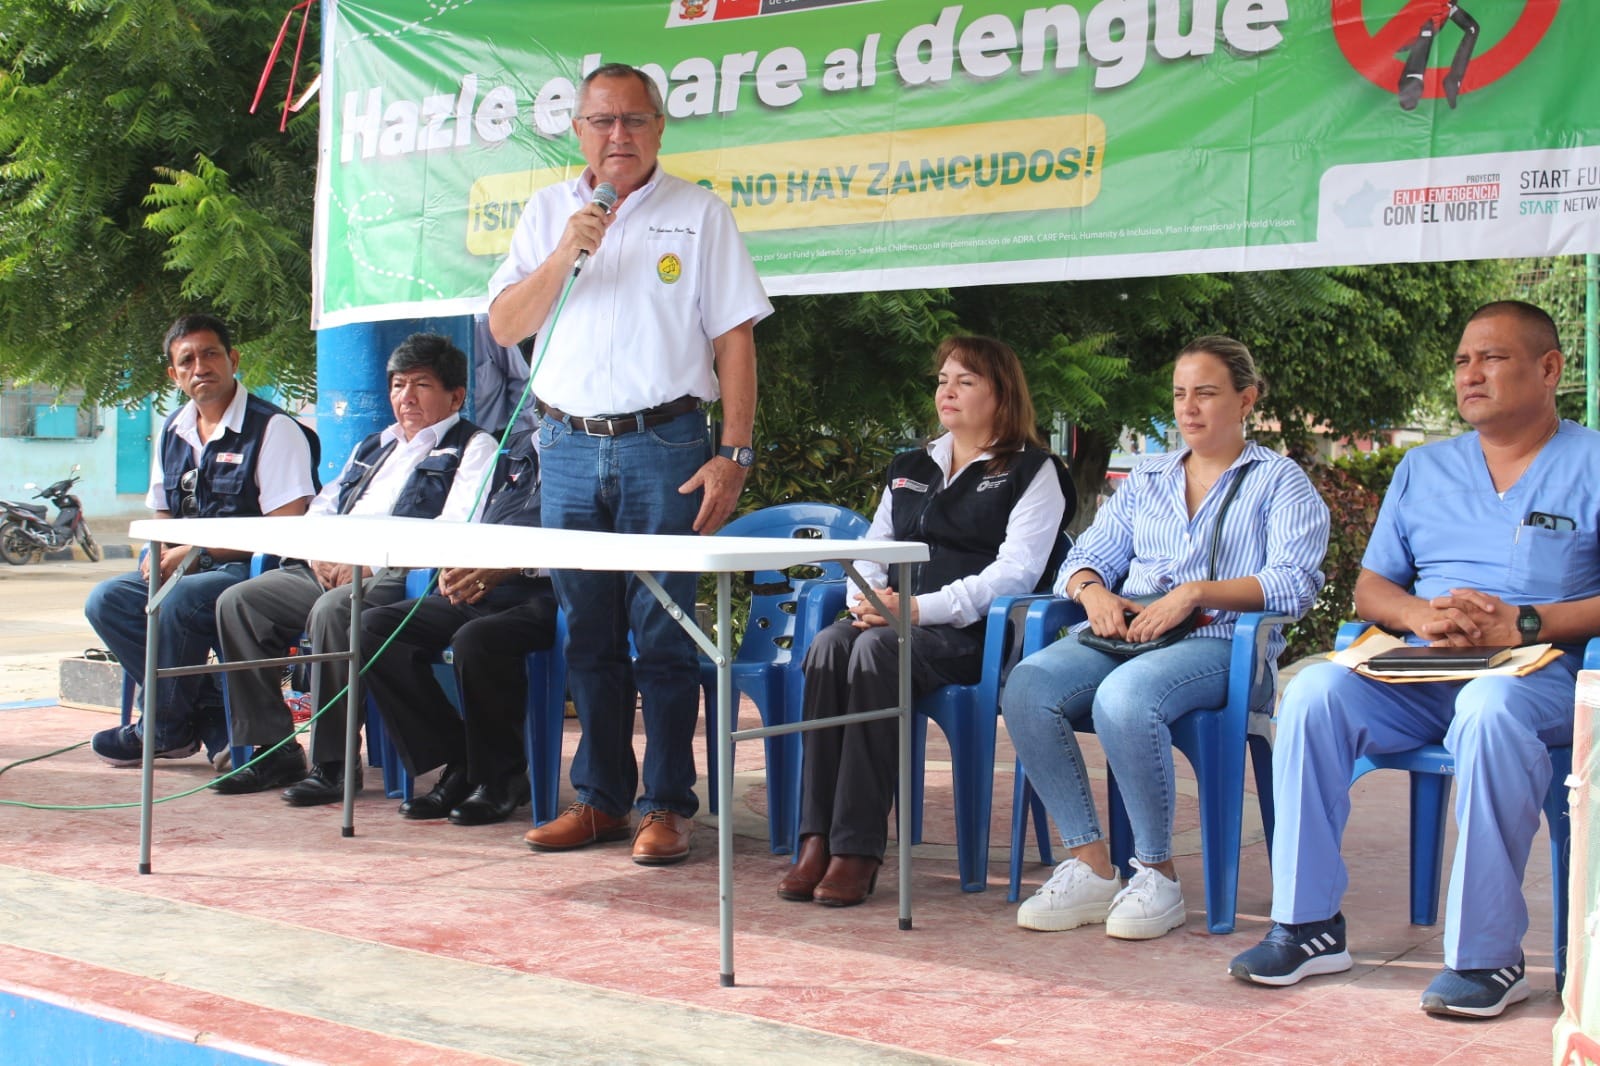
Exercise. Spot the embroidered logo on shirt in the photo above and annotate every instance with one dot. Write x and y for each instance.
(669, 268)
(230, 457)
(907, 483)
(993, 481)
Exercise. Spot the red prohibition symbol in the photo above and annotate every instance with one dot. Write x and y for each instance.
(1375, 55)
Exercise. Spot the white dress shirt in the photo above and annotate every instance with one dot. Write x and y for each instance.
(671, 276)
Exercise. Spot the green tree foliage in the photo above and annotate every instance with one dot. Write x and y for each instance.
(1346, 350)
(1353, 488)
(134, 185)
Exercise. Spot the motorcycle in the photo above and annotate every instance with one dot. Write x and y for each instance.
(25, 535)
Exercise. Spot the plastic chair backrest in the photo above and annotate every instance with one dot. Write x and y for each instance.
(769, 630)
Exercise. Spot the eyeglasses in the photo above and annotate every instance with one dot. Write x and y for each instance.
(632, 121)
(189, 507)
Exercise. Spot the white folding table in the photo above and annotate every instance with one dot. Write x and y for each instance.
(377, 542)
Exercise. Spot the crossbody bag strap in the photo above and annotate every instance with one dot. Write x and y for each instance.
(1222, 513)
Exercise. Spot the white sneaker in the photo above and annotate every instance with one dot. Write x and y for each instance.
(1151, 906)
(1074, 895)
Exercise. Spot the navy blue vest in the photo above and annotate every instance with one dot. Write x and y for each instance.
(226, 486)
(516, 495)
(428, 486)
(963, 523)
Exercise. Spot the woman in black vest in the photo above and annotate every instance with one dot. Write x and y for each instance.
(990, 503)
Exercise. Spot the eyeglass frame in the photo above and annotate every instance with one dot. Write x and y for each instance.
(644, 118)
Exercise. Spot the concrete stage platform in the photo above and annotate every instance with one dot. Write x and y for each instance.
(264, 936)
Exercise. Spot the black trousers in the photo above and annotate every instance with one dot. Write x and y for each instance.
(850, 773)
(491, 638)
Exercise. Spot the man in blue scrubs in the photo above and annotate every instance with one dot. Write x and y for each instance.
(1491, 538)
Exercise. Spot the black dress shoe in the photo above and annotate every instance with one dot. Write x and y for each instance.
(324, 785)
(282, 767)
(489, 804)
(451, 788)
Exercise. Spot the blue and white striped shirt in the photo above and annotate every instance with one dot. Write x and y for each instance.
(1276, 530)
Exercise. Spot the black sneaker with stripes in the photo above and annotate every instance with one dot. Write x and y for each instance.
(1291, 952)
(1476, 993)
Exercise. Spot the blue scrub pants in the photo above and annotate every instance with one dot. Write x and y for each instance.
(1498, 729)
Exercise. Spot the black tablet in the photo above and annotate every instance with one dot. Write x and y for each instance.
(1415, 659)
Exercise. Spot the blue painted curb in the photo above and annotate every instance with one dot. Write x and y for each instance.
(35, 1031)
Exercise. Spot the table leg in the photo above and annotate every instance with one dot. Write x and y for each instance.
(352, 722)
(902, 626)
(727, 711)
(151, 656)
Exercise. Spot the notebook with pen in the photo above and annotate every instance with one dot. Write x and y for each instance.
(1415, 659)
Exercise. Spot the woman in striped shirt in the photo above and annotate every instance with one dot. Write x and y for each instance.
(1143, 567)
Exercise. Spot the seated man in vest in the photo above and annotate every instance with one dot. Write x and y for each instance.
(494, 618)
(223, 453)
(1491, 538)
(428, 464)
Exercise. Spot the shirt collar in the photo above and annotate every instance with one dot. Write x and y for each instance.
(429, 435)
(942, 450)
(187, 424)
(583, 188)
(1171, 464)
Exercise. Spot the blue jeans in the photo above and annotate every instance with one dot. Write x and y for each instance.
(115, 608)
(1498, 729)
(1132, 703)
(627, 484)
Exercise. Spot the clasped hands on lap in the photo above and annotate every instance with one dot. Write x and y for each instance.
(1108, 612)
(1462, 618)
(863, 615)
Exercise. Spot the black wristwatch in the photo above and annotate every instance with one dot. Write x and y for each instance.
(742, 454)
(204, 562)
(1528, 623)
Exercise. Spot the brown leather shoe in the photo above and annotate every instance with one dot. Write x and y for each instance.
(578, 826)
(850, 880)
(801, 879)
(662, 839)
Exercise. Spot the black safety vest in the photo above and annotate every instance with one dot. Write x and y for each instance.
(226, 486)
(516, 495)
(963, 523)
(428, 486)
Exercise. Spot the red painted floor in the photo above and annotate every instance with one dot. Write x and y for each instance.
(427, 943)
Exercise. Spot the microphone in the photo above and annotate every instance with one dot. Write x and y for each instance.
(605, 194)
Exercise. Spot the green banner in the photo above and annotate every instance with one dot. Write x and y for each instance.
(879, 144)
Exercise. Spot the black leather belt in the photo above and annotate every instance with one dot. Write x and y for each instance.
(617, 425)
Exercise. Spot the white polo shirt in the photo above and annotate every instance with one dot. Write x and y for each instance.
(671, 275)
(283, 468)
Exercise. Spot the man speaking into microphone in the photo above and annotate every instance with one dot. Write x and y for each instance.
(660, 319)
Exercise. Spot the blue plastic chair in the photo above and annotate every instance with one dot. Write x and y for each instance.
(968, 715)
(766, 652)
(542, 733)
(1215, 743)
(1431, 768)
